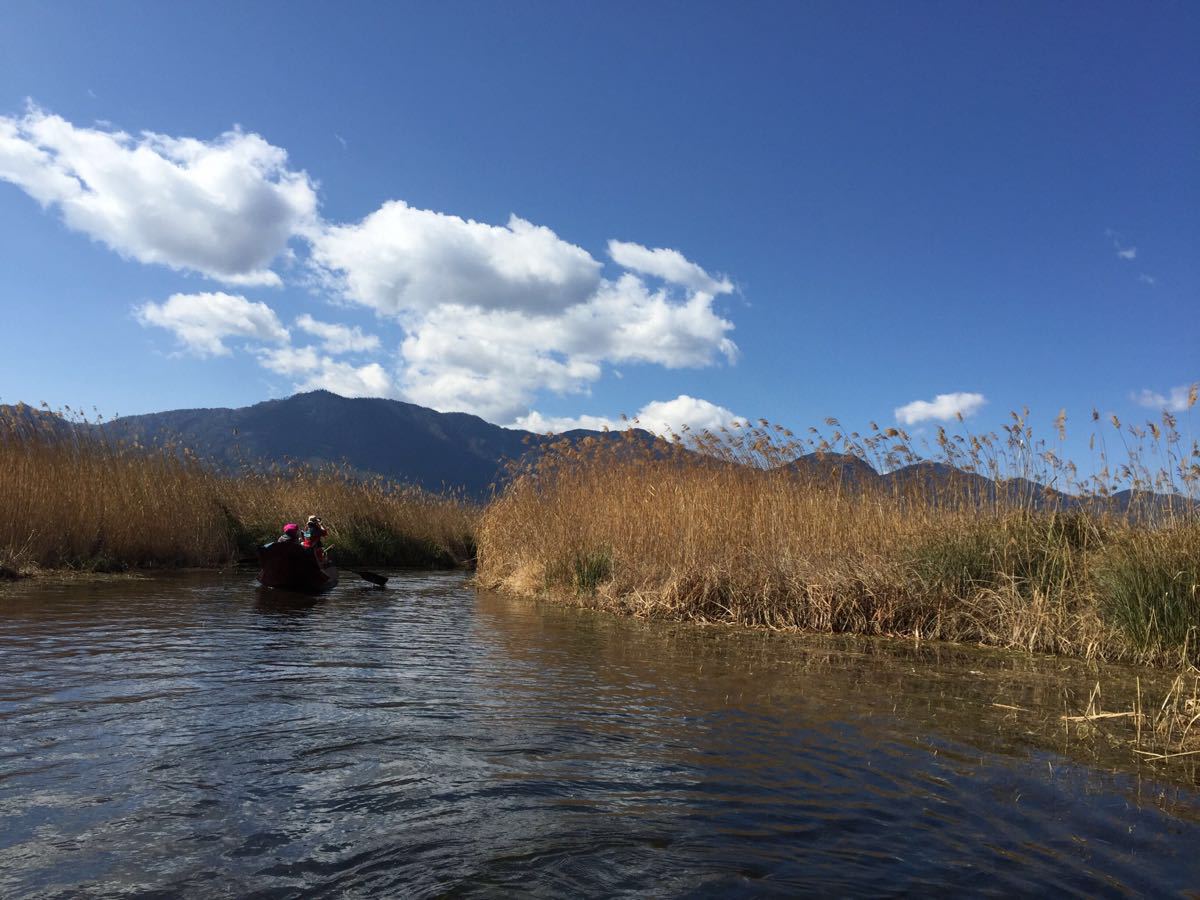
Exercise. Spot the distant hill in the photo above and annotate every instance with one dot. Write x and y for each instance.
(845, 467)
(399, 440)
(930, 479)
(21, 418)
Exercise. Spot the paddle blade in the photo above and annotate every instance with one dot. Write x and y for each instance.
(374, 577)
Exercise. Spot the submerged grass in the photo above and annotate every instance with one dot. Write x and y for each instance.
(1157, 731)
(72, 500)
(751, 525)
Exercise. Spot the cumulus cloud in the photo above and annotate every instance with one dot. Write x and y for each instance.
(666, 416)
(225, 208)
(403, 260)
(494, 314)
(663, 417)
(491, 315)
(669, 265)
(1177, 399)
(494, 362)
(627, 322)
(539, 424)
(489, 363)
(338, 338)
(311, 370)
(943, 407)
(203, 322)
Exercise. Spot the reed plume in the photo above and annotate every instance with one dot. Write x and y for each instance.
(988, 538)
(73, 499)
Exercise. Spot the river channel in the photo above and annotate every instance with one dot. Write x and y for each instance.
(189, 735)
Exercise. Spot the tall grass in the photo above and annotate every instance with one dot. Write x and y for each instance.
(71, 499)
(728, 527)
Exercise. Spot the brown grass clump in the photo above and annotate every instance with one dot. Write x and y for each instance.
(72, 500)
(733, 527)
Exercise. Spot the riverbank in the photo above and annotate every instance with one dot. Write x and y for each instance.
(725, 529)
(84, 504)
(750, 526)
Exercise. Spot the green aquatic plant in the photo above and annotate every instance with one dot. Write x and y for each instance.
(1148, 587)
(591, 569)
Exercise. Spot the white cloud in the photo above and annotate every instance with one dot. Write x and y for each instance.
(491, 314)
(338, 338)
(224, 208)
(626, 322)
(494, 362)
(669, 265)
(1147, 279)
(310, 370)
(534, 421)
(1177, 399)
(663, 417)
(403, 260)
(489, 363)
(495, 314)
(666, 416)
(944, 407)
(202, 322)
(1123, 252)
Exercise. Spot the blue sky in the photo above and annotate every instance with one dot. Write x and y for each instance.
(781, 210)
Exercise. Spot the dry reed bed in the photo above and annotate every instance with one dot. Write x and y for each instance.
(79, 502)
(725, 528)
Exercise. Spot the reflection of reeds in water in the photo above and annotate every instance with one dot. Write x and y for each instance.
(1003, 544)
(72, 499)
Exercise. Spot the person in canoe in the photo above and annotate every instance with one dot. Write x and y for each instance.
(290, 563)
(291, 534)
(314, 534)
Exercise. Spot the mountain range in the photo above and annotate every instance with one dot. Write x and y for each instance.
(457, 451)
(401, 441)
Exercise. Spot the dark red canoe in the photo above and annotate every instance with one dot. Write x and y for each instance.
(289, 566)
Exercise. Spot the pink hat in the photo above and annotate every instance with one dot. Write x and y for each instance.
(290, 526)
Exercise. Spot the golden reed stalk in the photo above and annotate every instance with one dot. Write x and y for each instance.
(75, 500)
(723, 527)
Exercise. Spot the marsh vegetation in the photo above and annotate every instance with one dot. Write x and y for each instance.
(75, 500)
(988, 539)
(991, 539)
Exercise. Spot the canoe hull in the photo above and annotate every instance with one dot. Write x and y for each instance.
(290, 567)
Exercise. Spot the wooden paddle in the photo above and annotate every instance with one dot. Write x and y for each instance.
(374, 577)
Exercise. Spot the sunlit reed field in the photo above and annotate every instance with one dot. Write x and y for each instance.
(729, 527)
(76, 501)
(990, 538)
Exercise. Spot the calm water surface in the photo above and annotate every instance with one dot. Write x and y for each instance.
(187, 736)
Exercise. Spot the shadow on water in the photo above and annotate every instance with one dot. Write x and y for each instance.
(189, 734)
(276, 601)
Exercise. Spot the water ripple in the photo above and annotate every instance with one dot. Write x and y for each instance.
(188, 735)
